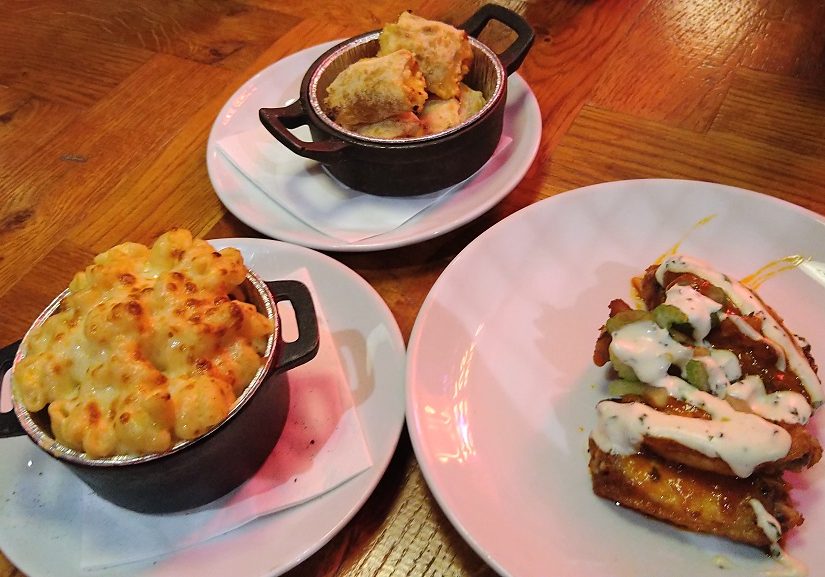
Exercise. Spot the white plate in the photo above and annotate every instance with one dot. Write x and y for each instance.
(501, 387)
(279, 84)
(372, 353)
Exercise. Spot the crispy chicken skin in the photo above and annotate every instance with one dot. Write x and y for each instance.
(694, 500)
(600, 354)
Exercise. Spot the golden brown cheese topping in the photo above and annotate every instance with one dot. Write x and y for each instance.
(148, 348)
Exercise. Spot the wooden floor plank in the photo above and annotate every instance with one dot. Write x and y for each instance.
(791, 42)
(39, 48)
(628, 148)
(28, 121)
(689, 49)
(36, 290)
(86, 164)
(226, 33)
(780, 112)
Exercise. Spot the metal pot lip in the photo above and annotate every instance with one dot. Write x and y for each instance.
(309, 92)
(78, 458)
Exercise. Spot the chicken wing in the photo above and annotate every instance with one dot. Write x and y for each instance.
(692, 499)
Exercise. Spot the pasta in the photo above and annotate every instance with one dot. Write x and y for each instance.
(147, 349)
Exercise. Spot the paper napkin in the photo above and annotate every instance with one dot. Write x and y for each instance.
(321, 447)
(301, 187)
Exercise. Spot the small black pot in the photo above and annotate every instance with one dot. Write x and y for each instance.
(409, 166)
(199, 471)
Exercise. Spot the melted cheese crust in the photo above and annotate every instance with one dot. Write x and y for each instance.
(148, 349)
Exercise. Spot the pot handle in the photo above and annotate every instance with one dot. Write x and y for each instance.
(513, 55)
(305, 347)
(278, 121)
(9, 425)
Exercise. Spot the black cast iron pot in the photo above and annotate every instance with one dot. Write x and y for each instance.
(407, 166)
(199, 471)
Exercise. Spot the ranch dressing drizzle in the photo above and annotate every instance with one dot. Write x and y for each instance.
(648, 349)
(742, 440)
(722, 368)
(785, 406)
(696, 306)
(767, 522)
(750, 332)
(748, 303)
(773, 531)
(729, 363)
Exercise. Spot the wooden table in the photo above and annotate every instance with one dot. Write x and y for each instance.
(105, 109)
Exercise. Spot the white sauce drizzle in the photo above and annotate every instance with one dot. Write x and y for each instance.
(748, 303)
(717, 380)
(773, 531)
(729, 363)
(790, 566)
(742, 440)
(785, 406)
(767, 522)
(722, 368)
(746, 329)
(648, 349)
(696, 306)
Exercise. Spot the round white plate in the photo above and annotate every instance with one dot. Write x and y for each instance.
(372, 354)
(279, 84)
(501, 387)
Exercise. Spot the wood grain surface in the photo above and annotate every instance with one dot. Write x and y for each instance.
(105, 110)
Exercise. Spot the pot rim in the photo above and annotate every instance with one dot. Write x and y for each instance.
(309, 92)
(75, 457)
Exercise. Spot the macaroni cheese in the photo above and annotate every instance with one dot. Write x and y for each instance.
(148, 348)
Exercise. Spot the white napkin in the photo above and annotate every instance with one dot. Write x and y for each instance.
(302, 188)
(321, 447)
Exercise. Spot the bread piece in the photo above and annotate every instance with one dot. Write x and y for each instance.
(470, 102)
(443, 52)
(375, 89)
(440, 115)
(406, 125)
